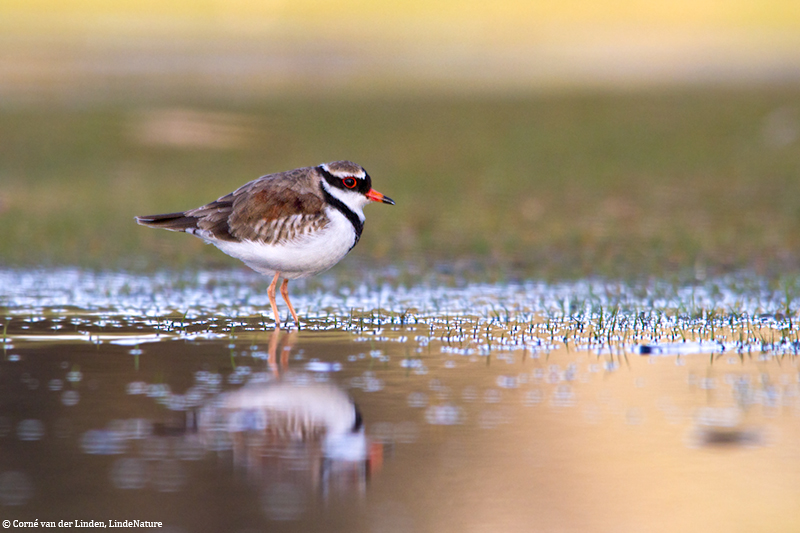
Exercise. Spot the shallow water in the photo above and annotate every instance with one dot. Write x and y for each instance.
(588, 406)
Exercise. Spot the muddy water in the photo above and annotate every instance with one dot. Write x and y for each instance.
(532, 407)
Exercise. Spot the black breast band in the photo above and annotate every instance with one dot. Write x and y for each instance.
(358, 225)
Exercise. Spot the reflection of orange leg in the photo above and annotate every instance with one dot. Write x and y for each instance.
(291, 338)
(285, 294)
(272, 351)
(272, 302)
(272, 360)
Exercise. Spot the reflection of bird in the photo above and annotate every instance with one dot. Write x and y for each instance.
(291, 225)
(290, 411)
(289, 436)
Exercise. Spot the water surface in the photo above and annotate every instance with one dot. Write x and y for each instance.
(585, 406)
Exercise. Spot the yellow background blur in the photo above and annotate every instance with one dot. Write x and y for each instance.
(360, 45)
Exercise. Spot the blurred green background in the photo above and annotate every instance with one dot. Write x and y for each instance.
(556, 139)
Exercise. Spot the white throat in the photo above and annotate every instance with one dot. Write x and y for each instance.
(353, 200)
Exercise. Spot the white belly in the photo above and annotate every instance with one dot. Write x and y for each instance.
(305, 256)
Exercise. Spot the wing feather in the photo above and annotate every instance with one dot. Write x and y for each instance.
(271, 209)
(276, 209)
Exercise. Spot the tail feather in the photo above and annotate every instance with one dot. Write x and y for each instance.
(170, 221)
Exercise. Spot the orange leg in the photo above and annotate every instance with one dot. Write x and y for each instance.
(272, 302)
(285, 294)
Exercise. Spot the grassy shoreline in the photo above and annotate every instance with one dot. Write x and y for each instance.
(553, 186)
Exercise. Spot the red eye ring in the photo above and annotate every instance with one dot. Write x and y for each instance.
(349, 182)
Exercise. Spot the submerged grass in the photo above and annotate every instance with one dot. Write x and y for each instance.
(730, 310)
(605, 329)
(553, 186)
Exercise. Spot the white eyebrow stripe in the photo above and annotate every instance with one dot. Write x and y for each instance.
(360, 174)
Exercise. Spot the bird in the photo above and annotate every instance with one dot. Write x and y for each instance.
(288, 225)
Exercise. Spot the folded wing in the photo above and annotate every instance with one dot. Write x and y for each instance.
(272, 209)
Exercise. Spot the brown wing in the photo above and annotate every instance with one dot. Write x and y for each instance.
(274, 208)
(277, 208)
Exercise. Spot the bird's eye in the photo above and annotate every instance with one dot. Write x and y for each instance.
(349, 182)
